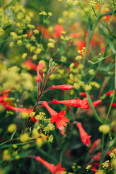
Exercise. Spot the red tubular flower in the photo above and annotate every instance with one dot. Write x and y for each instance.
(33, 119)
(75, 35)
(96, 103)
(96, 164)
(44, 31)
(58, 118)
(39, 72)
(23, 110)
(109, 93)
(83, 94)
(94, 145)
(94, 169)
(80, 44)
(52, 168)
(97, 156)
(113, 104)
(84, 136)
(4, 101)
(30, 64)
(58, 30)
(5, 91)
(77, 103)
(63, 87)
(73, 102)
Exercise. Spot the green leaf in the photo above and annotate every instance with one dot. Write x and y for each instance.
(8, 26)
(112, 143)
(92, 107)
(108, 40)
(112, 12)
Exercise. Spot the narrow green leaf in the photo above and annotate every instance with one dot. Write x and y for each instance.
(92, 107)
(112, 12)
(108, 40)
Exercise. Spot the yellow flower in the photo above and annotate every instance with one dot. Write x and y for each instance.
(39, 142)
(87, 87)
(24, 137)
(35, 133)
(24, 55)
(104, 128)
(91, 72)
(12, 128)
(6, 155)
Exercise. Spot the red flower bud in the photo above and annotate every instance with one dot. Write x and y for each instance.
(63, 87)
(52, 168)
(84, 136)
(77, 103)
(94, 145)
(97, 156)
(39, 72)
(109, 93)
(29, 64)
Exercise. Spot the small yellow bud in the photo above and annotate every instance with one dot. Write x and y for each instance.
(36, 31)
(71, 76)
(87, 87)
(50, 139)
(63, 59)
(17, 157)
(28, 19)
(51, 45)
(34, 57)
(12, 128)
(38, 50)
(80, 66)
(60, 20)
(1, 31)
(91, 72)
(39, 142)
(88, 167)
(78, 58)
(24, 55)
(43, 13)
(28, 45)
(35, 133)
(24, 137)
(19, 42)
(49, 13)
(14, 146)
(71, 65)
(71, 92)
(6, 155)
(104, 128)
(76, 86)
(11, 44)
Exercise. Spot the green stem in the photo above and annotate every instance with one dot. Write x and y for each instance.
(115, 74)
(101, 160)
(110, 106)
